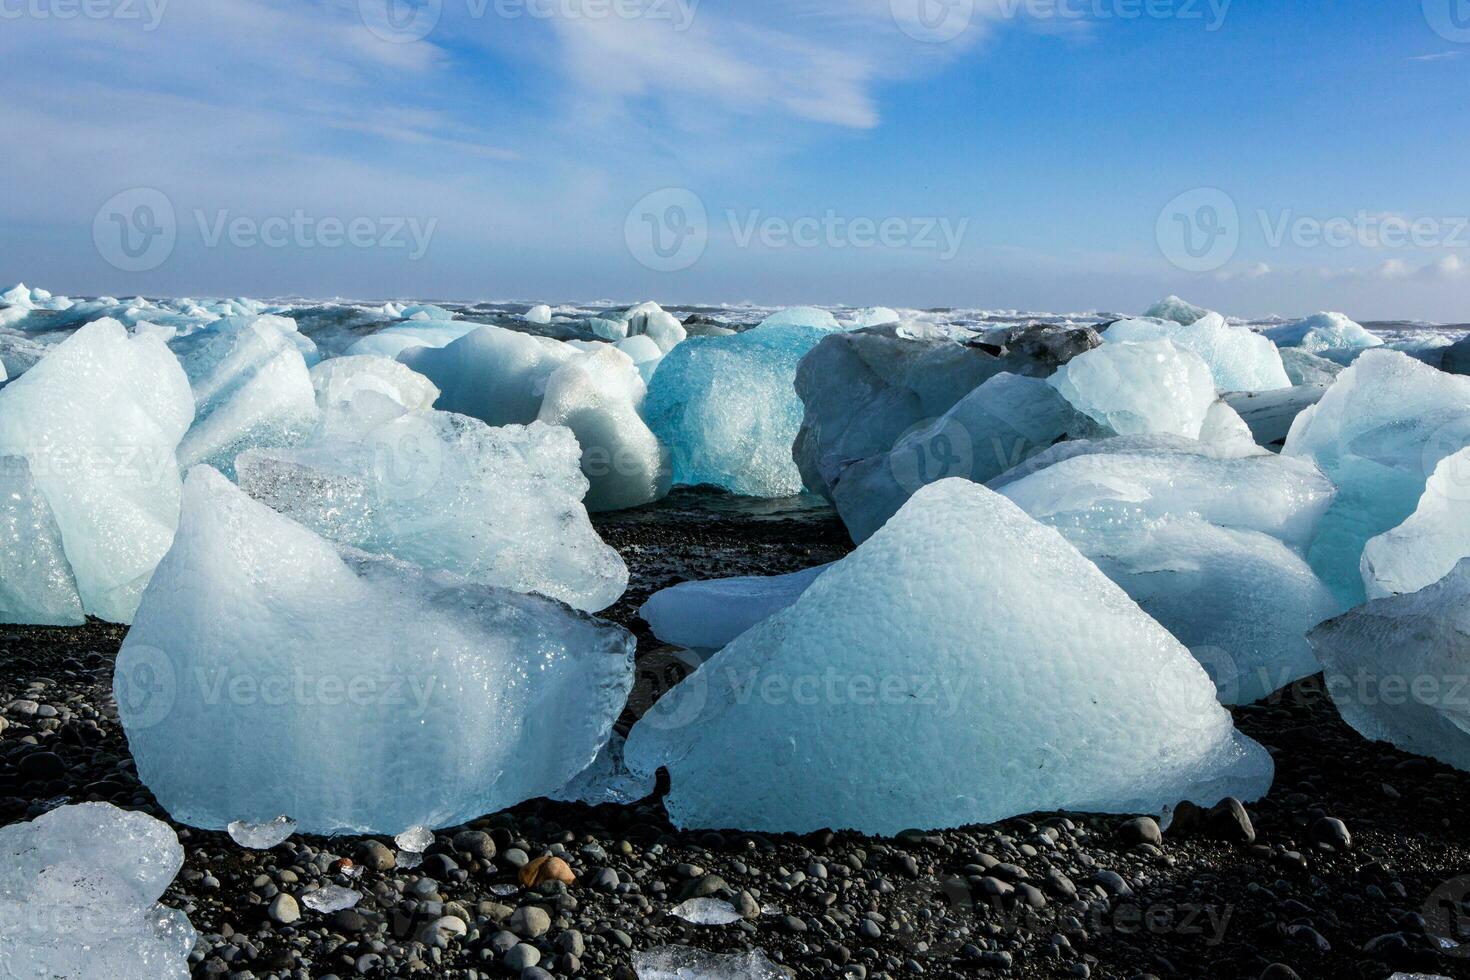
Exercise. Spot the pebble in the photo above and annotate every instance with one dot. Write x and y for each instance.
(521, 956)
(1140, 830)
(529, 922)
(283, 909)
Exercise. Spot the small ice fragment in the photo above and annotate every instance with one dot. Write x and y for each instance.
(503, 890)
(415, 839)
(684, 963)
(408, 860)
(332, 898)
(706, 912)
(262, 836)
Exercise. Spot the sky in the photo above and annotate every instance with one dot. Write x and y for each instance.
(1253, 156)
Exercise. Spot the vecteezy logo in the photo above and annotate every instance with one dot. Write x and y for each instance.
(1450, 19)
(1447, 917)
(668, 230)
(1199, 231)
(135, 231)
(145, 685)
(933, 21)
(930, 451)
(671, 687)
(408, 458)
(400, 21)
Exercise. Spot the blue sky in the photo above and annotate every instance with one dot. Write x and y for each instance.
(1256, 157)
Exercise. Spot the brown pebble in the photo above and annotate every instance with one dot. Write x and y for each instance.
(548, 868)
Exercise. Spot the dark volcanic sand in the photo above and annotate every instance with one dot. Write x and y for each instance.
(844, 905)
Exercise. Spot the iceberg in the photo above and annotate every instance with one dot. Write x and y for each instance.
(1138, 388)
(98, 422)
(386, 389)
(539, 314)
(707, 615)
(498, 506)
(36, 583)
(1304, 368)
(1430, 543)
(79, 887)
(1378, 433)
(251, 388)
(357, 694)
(1325, 333)
(804, 316)
(873, 316)
(726, 409)
(968, 695)
(1396, 668)
(863, 390)
(493, 374)
(1227, 433)
(597, 394)
(1177, 310)
(645, 319)
(392, 341)
(1212, 546)
(997, 426)
(644, 352)
(1239, 359)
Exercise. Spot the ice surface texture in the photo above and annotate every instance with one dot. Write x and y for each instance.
(78, 888)
(500, 506)
(1007, 676)
(1239, 358)
(355, 694)
(597, 394)
(251, 388)
(98, 421)
(1427, 546)
(338, 381)
(726, 409)
(1378, 433)
(1304, 368)
(1151, 386)
(863, 390)
(709, 614)
(36, 583)
(1396, 668)
(493, 374)
(1212, 547)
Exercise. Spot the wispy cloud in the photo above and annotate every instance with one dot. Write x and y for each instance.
(1438, 56)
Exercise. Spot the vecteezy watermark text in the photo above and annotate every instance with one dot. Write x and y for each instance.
(137, 230)
(148, 12)
(302, 230)
(669, 231)
(408, 21)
